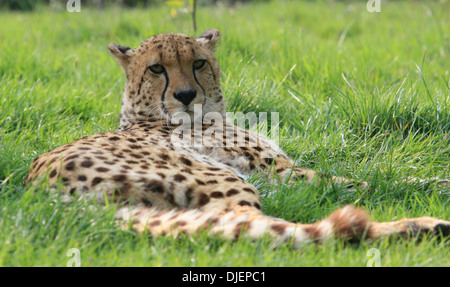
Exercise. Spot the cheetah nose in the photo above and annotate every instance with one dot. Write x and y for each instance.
(186, 96)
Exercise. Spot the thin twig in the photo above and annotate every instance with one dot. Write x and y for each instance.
(193, 15)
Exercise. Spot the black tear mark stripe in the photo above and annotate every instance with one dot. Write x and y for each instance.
(196, 80)
(164, 92)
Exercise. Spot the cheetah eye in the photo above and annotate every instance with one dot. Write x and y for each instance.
(157, 69)
(199, 64)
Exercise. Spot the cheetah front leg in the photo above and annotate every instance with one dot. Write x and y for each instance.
(273, 162)
(291, 174)
(268, 158)
(281, 169)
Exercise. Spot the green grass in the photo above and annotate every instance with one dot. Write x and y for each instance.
(364, 95)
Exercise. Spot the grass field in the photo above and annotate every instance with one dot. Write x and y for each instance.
(364, 95)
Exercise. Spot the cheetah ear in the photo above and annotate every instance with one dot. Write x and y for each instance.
(121, 54)
(209, 39)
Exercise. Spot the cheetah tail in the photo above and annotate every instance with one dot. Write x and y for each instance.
(347, 222)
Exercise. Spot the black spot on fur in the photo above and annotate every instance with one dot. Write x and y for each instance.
(170, 198)
(189, 194)
(119, 177)
(203, 199)
(72, 157)
(249, 156)
(200, 182)
(86, 163)
(186, 161)
(53, 173)
(258, 149)
(70, 166)
(155, 186)
(164, 156)
(244, 202)
(96, 181)
(232, 192)
(249, 190)
(84, 148)
(179, 177)
(102, 169)
(138, 156)
(147, 202)
(216, 194)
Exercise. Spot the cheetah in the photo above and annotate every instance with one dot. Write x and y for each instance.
(162, 187)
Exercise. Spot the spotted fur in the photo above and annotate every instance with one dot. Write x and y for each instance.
(165, 188)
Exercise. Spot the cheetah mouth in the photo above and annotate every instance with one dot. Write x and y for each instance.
(181, 113)
(186, 115)
(193, 115)
(190, 110)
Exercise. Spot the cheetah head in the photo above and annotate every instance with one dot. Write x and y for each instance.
(168, 74)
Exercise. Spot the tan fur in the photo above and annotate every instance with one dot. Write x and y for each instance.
(164, 188)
